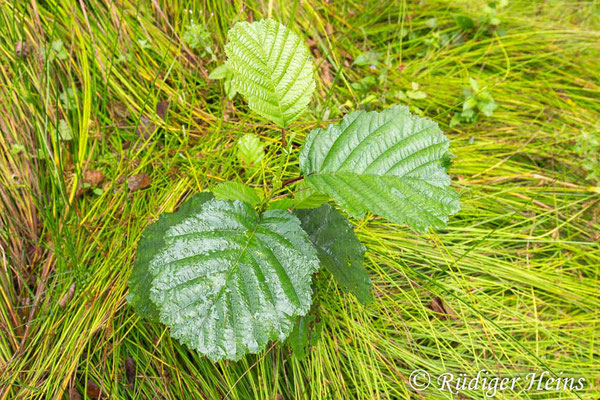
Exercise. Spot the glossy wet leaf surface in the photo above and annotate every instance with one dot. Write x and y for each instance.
(272, 68)
(338, 248)
(388, 163)
(227, 281)
(151, 242)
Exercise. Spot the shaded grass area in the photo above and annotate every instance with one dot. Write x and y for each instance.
(518, 266)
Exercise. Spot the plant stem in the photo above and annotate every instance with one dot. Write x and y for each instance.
(283, 141)
(290, 181)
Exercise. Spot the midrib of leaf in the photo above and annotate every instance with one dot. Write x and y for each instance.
(228, 277)
(298, 72)
(297, 43)
(334, 145)
(280, 271)
(264, 60)
(280, 96)
(258, 60)
(365, 142)
(369, 139)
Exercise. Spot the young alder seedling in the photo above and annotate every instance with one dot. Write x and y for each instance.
(231, 271)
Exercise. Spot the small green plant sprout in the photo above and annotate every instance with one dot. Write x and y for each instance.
(464, 22)
(198, 38)
(144, 44)
(491, 21)
(223, 73)
(68, 98)
(59, 50)
(414, 93)
(488, 23)
(491, 17)
(64, 131)
(477, 101)
(372, 63)
(231, 270)
(588, 149)
(250, 150)
(364, 85)
(369, 58)
(412, 96)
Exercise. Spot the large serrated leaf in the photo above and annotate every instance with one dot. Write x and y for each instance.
(338, 248)
(272, 68)
(150, 243)
(389, 163)
(228, 281)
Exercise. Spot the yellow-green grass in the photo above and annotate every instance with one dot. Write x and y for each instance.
(519, 265)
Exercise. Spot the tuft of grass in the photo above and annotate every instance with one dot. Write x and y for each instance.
(114, 87)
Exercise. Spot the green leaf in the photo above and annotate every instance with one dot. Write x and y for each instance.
(416, 94)
(64, 131)
(368, 58)
(219, 73)
(447, 161)
(364, 84)
(17, 148)
(69, 99)
(250, 149)
(222, 72)
(144, 44)
(455, 120)
(272, 68)
(464, 22)
(298, 339)
(388, 163)
(487, 108)
(474, 84)
(400, 95)
(470, 103)
(468, 113)
(59, 50)
(495, 21)
(229, 89)
(236, 191)
(281, 204)
(307, 197)
(484, 97)
(338, 248)
(197, 37)
(227, 281)
(151, 242)
(431, 23)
